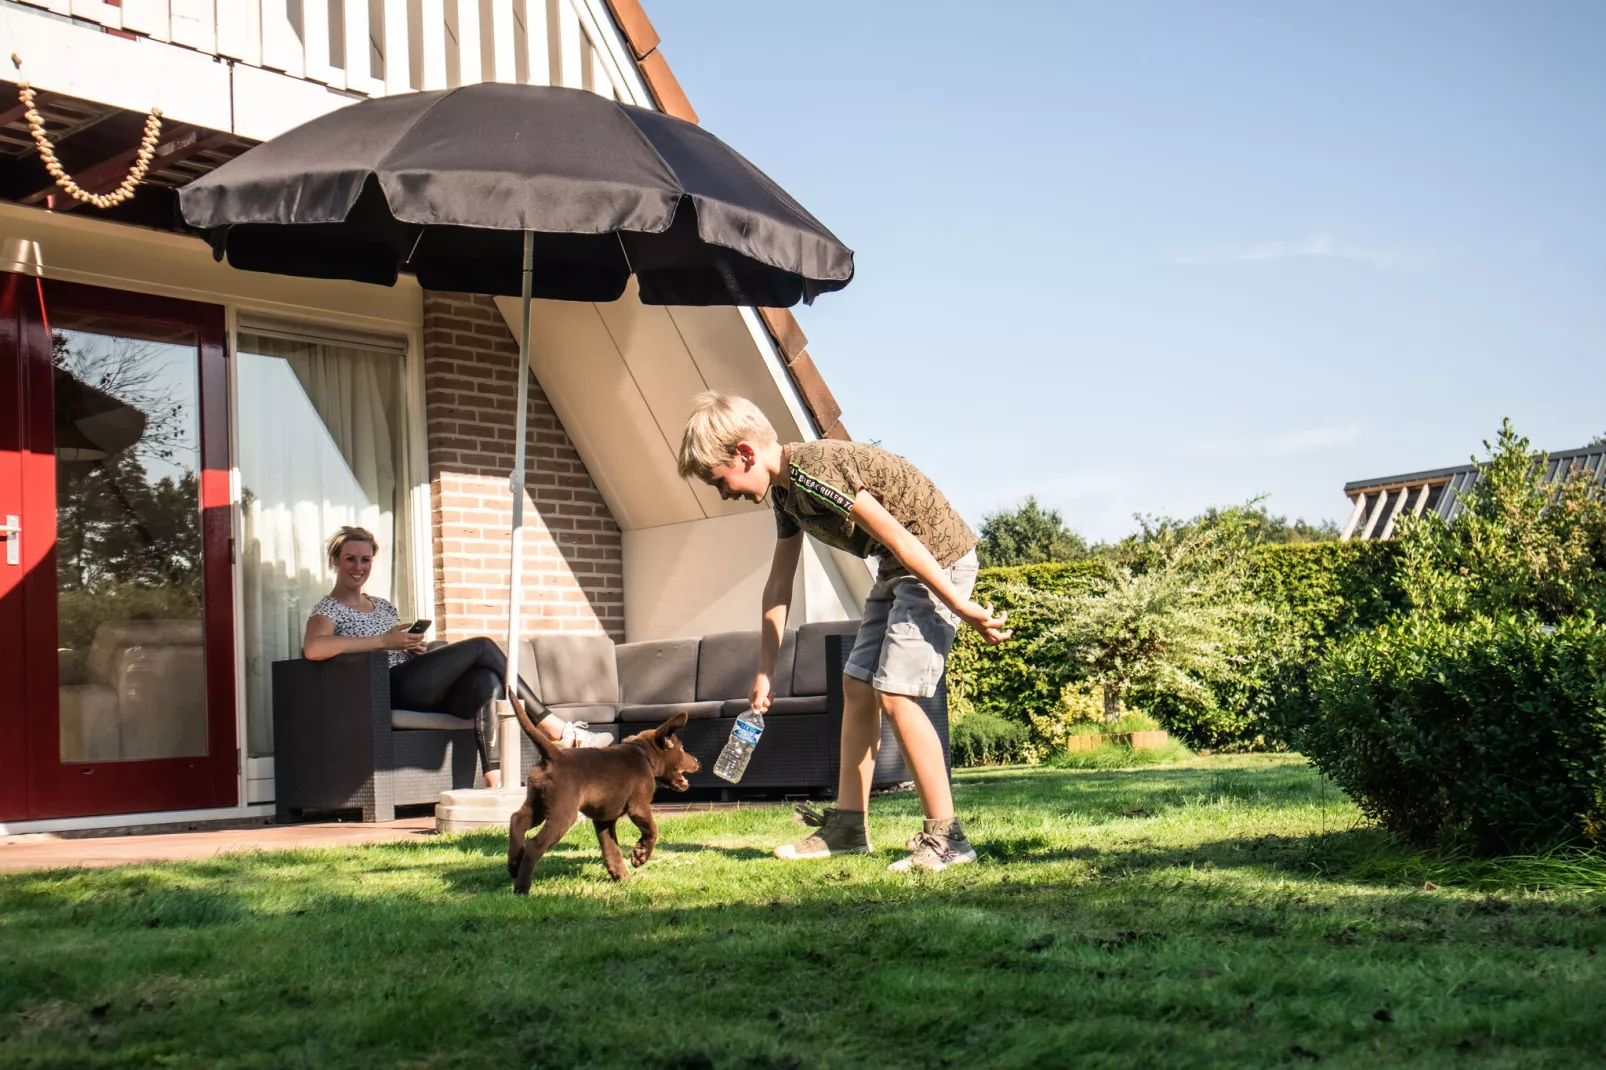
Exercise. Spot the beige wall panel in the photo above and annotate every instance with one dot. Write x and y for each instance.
(708, 576)
(730, 361)
(693, 579)
(591, 388)
(666, 374)
(80, 248)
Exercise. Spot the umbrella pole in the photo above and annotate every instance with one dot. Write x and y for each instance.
(509, 730)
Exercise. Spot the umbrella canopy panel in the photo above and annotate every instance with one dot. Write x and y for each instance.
(444, 184)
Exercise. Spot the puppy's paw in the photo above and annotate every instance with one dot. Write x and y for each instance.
(513, 863)
(639, 856)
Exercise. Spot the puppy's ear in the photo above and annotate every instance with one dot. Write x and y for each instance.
(671, 726)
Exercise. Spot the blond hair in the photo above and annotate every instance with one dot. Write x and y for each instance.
(347, 534)
(717, 423)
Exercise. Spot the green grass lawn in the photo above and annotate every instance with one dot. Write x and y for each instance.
(1223, 912)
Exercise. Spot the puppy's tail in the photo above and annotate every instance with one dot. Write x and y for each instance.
(543, 742)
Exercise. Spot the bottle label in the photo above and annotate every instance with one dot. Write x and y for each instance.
(746, 732)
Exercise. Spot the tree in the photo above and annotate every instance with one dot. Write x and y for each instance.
(1027, 535)
(1522, 543)
(1164, 618)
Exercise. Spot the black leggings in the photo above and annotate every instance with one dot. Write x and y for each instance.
(460, 679)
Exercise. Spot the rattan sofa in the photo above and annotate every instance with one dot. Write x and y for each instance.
(340, 745)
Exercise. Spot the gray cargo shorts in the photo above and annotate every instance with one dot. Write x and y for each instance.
(907, 631)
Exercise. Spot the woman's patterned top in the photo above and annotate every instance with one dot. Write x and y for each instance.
(352, 622)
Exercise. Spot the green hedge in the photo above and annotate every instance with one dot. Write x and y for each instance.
(1319, 591)
(1000, 680)
(982, 739)
(1489, 731)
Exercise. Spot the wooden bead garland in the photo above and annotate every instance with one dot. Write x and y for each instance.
(47, 153)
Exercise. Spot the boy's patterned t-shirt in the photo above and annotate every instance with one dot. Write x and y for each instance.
(828, 473)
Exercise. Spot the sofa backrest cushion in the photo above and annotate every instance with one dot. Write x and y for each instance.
(113, 637)
(574, 669)
(657, 671)
(726, 662)
(808, 671)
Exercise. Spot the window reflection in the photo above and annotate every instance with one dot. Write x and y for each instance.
(128, 544)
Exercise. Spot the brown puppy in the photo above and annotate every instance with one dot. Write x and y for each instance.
(604, 784)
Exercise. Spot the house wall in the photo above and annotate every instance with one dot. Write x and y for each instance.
(573, 573)
(611, 525)
(621, 377)
(76, 247)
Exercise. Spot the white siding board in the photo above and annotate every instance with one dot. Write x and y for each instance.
(281, 40)
(194, 23)
(98, 11)
(315, 38)
(356, 51)
(148, 17)
(567, 70)
(469, 53)
(397, 50)
(430, 43)
(541, 36)
(239, 30)
(501, 59)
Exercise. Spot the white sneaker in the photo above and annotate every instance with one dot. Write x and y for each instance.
(935, 854)
(579, 734)
(939, 844)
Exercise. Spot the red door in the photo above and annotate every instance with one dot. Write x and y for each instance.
(116, 614)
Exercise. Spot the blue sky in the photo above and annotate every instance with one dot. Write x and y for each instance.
(1154, 256)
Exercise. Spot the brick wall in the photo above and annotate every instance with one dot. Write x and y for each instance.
(573, 571)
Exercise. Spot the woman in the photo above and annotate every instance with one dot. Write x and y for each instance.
(462, 679)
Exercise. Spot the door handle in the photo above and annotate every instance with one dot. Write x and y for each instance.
(11, 531)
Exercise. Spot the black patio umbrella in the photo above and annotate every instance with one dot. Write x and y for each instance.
(443, 184)
(511, 189)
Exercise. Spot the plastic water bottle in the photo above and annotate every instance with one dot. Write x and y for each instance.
(738, 750)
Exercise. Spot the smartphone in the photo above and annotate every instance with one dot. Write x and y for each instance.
(419, 627)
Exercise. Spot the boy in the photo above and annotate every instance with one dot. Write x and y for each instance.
(871, 503)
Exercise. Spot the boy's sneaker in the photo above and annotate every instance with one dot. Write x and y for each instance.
(579, 734)
(939, 845)
(841, 832)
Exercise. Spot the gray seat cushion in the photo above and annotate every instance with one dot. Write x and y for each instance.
(574, 669)
(781, 707)
(417, 719)
(656, 712)
(656, 671)
(590, 713)
(808, 666)
(726, 662)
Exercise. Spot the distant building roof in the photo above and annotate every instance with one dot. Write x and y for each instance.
(1379, 503)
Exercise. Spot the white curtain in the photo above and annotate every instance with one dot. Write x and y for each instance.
(323, 443)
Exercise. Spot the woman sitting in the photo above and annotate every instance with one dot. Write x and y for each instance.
(462, 679)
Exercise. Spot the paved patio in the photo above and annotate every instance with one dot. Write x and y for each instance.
(102, 848)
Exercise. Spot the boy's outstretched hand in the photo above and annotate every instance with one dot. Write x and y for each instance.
(981, 618)
(761, 694)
